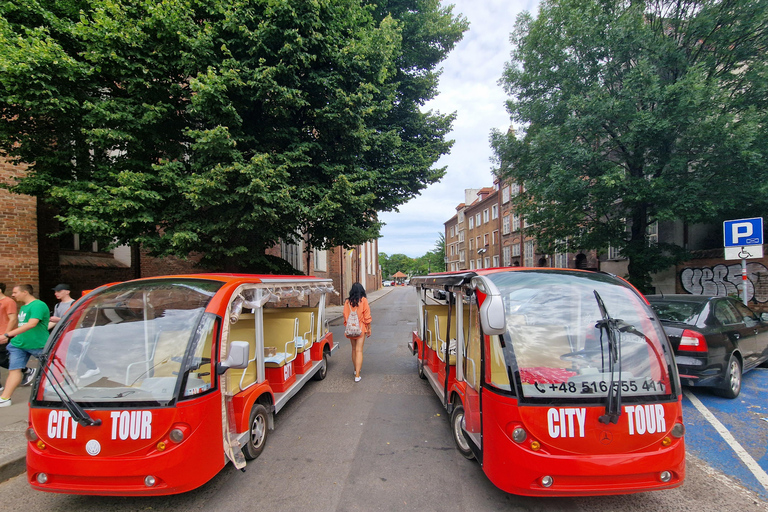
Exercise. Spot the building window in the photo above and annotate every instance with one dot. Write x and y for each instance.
(479, 263)
(485, 216)
(292, 254)
(461, 217)
(505, 225)
(321, 260)
(528, 258)
(495, 237)
(461, 236)
(505, 195)
(470, 244)
(561, 260)
(487, 262)
(477, 219)
(614, 253)
(471, 223)
(514, 190)
(516, 250)
(496, 260)
(477, 242)
(515, 222)
(485, 239)
(76, 242)
(461, 256)
(653, 233)
(495, 212)
(471, 264)
(505, 254)
(451, 231)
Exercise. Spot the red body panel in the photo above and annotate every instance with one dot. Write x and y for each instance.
(598, 463)
(120, 465)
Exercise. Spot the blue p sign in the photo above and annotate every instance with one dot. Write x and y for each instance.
(743, 232)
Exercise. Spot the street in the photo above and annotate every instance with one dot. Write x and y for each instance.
(381, 444)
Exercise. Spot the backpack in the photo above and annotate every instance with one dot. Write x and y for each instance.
(353, 329)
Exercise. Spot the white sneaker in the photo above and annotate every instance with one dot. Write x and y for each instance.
(358, 379)
(29, 376)
(5, 402)
(90, 373)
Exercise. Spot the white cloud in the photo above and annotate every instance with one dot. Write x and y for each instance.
(469, 87)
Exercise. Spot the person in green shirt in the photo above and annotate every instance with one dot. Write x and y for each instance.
(27, 339)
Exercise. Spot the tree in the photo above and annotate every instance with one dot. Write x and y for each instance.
(223, 127)
(635, 112)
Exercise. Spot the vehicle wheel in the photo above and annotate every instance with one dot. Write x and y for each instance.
(420, 364)
(323, 371)
(732, 379)
(457, 427)
(257, 436)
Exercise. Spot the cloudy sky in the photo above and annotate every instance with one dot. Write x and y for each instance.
(468, 86)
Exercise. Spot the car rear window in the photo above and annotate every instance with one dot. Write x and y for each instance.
(677, 311)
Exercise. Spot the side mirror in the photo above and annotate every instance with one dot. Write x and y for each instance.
(237, 357)
(492, 316)
(764, 317)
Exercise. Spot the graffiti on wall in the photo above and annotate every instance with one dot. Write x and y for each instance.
(726, 280)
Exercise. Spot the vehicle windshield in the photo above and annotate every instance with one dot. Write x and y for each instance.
(558, 341)
(129, 344)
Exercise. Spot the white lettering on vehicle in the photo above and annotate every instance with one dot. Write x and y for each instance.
(61, 425)
(561, 424)
(645, 419)
(131, 424)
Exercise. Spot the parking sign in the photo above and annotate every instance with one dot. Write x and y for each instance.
(743, 238)
(743, 232)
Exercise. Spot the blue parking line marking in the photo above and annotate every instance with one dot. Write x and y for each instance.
(745, 419)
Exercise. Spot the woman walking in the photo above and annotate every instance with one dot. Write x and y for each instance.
(357, 319)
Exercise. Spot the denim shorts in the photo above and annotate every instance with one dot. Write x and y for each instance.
(18, 356)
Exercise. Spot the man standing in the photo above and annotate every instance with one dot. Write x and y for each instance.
(62, 293)
(28, 339)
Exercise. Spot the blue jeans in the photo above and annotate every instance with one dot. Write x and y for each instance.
(19, 356)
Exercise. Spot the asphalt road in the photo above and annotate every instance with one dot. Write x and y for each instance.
(381, 444)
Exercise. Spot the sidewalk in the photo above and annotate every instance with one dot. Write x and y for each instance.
(13, 419)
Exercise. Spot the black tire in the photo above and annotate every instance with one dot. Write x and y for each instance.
(420, 364)
(323, 371)
(258, 426)
(457, 429)
(731, 379)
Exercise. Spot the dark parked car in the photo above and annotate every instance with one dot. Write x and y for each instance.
(438, 294)
(716, 339)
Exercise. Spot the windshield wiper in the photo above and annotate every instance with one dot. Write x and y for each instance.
(75, 411)
(612, 327)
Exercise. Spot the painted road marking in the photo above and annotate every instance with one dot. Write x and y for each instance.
(745, 457)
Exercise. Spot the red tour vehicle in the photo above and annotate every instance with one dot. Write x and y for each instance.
(150, 386)
(559, 382)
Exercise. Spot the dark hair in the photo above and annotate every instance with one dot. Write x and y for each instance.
(26, 287)
(2, 287)
(356, 293)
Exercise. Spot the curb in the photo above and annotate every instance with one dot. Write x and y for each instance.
(15, 463)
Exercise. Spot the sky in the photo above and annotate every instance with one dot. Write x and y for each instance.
(468, 86)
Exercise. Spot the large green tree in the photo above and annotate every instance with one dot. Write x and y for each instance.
(223, 127)
(628, 113)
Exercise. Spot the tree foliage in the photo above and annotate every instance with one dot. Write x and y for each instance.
(636, 112)
(222, 127)
(431, 261)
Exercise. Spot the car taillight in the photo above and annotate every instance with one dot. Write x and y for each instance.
(692, 341)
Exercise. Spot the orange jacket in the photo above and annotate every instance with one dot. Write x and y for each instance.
(363, 313)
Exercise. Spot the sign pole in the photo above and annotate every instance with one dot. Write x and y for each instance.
(744, 280)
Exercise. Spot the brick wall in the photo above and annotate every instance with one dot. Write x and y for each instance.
(18, 233)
